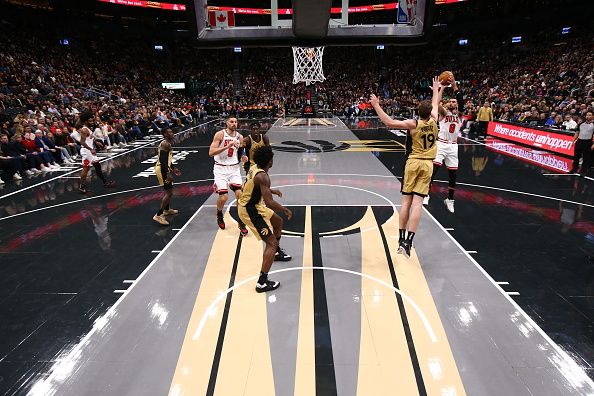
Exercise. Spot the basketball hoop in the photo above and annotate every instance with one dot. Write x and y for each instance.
(307, 65)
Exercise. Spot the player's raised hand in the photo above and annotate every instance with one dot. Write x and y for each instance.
(177, 172)
(278, 193)
(436, 84)
(374, 100)
(244, 159)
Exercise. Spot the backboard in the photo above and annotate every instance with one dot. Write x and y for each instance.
(269, 22)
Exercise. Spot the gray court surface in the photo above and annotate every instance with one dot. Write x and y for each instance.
(134, 348)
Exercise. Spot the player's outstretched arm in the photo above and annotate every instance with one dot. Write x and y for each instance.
(263, 181)
(387, 120)
(436, 98)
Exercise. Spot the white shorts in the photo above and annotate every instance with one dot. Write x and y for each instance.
(447, 154)
(226, 177)
(87, 157)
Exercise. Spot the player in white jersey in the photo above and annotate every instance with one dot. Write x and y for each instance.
(88, 153)
(447, 145)
(226, 148)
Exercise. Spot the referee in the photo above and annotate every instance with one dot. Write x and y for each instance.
(583, 145)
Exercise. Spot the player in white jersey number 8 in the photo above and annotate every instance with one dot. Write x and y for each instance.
(447, 144)
(226, 149)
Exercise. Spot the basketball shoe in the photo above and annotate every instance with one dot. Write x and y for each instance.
(404, 248)
(267, 286)
(449, 203)
(220, 220)
(281, 255)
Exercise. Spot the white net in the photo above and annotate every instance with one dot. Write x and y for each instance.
(307, 65)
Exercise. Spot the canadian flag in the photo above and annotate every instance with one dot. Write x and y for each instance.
(221, 18)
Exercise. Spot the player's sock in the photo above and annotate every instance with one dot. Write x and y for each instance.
(160, 212)
(166, 207)
(402, 235)
(410, 237)
(451, 193)
(263, 278)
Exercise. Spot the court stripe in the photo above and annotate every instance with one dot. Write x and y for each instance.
(407, 331)
(245, 366)
(383, 349)
(196, 356)
(436, 361)
(325, 374)
(305, 374)
(217, 356)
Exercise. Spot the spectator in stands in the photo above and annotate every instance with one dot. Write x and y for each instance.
(46, 145)
(64, 141)
(47, 159)
(34, 163)
(569, 124)
(12, 166)
(484, 115)
(64, 153)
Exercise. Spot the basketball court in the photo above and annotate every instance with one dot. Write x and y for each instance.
(102, 301)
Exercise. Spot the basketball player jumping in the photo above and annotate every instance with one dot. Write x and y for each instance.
(257, 209)
(88, 153)
(418, 168)
(447, 144)
(254, 141)
(224, 148)
(164, 169)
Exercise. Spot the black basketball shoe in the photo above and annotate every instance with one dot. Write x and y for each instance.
(281, 255)
(267, 286)
(220, 220)
(404, 248)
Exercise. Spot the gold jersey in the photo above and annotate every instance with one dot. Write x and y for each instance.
(253, 147)
(169, 157)
(424, 140)
(250, 193)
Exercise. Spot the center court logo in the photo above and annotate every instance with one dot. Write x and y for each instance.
(324, 146)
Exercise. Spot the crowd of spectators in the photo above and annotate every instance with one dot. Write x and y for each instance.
(42, 90)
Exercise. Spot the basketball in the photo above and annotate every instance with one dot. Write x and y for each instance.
(446, 78)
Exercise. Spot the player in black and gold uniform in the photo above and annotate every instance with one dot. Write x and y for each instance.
(419, 165)
(254, 141)
(165, 170)
(256, 209)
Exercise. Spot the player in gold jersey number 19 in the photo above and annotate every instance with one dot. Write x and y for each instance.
(419, 165)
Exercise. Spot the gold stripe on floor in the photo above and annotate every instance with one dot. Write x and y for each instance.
(194, 365)
(384, 360)
(305, 371)
(246, 364)
(440, 373)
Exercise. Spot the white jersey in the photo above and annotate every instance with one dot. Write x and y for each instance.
(449, 127)
(88, 140)
(228, 157)
(87, 155)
